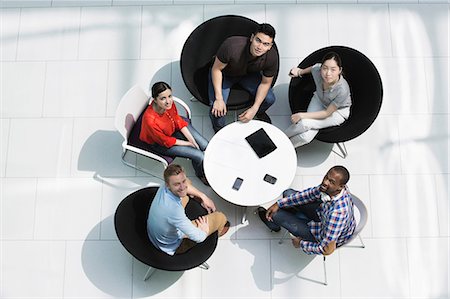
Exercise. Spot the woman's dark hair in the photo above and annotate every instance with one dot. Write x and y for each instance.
(333, 55)
(267, 29)
(159, 87)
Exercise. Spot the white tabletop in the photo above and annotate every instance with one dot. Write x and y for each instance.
(229, 156)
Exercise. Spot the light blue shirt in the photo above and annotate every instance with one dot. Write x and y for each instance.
(167, 222)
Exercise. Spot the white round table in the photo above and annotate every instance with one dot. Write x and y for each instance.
(229, 156)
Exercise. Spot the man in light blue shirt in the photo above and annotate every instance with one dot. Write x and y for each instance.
(168, 227)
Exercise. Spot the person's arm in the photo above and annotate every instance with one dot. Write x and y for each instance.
(261, 93)
(295, 118)
(189, 230)
(298, 72)
(333, 227)
(219, 107)
(205, 201)
(191, 140)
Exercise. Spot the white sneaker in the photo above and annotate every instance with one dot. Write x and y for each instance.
(297, 140)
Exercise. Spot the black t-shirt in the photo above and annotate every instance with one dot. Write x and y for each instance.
(235, 52)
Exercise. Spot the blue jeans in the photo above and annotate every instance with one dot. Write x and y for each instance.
(249, 82)
(196, 155)
(295, 219)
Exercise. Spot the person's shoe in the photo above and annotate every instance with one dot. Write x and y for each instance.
(263, 117)
(225, 229)
(272, 226)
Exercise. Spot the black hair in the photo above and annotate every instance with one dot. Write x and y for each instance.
(267, 29)
(333, 55)
(345, 175)
(159, 87)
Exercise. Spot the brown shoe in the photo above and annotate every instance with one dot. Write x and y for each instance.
(225, 229)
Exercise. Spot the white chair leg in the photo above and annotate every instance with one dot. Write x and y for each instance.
(343, 150)
(204, 266)
(325, 271)
(283, 237)
(149, 273)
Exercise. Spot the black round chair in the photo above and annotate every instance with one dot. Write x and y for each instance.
(365, 86)
(201, 47)
(130, 222)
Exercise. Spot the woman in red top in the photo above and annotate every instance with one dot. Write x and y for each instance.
(167, 133)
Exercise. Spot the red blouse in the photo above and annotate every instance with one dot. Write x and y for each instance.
(159, 128)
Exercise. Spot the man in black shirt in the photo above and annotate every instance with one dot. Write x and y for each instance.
(251, 63)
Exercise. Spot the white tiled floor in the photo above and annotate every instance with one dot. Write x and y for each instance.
(65, 65)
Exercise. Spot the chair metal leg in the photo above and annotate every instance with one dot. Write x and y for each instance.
(138, 167)
(244, 215)
(362, 243)
(204, 266)
(343, 150)
(149, 273)
(325, 271)
(283, 237)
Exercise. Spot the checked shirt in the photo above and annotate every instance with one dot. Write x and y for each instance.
(337, 222)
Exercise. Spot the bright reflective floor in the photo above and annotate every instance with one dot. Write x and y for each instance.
(66, 64)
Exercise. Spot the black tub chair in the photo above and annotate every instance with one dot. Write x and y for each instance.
(366, 91)
(130, 222)
(199, 50)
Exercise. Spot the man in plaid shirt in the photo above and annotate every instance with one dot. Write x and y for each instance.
(320, 217)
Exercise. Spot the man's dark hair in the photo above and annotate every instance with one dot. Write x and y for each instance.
(345, 175)
(267, 29)
(171, 170)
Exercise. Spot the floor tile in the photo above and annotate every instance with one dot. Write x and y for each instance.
(425, 257)
(383, 261)
(281, 90)
(167, 284)
(81, 2)
(350, 25)
(376, 151)
(296, 274)
(14, 76)
(436, 72)
(113, 192)
(443, 204)
(419, 30)
(63, 95)
(18, 201)
(255, 12)
(49, 153)
(248, 271)
(315, 158)
(97, 148)
(61, 203)
(55, 39)
(403, 92)
(293, 21)
(124, 74)
(10, 20)
(26, 3)
(44, 264)
(163, 24)
(105, 270)
(424, 140)
(4, 126)
(397, 202)
(110, 33)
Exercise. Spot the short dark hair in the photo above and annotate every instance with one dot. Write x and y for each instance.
(333, 55)
(171, 170)
(345, 175)
(159, 87)
(267, 29)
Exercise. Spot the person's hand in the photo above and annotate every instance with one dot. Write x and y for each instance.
(296, 242)
(208, 204)
(329, 249)
(194, 144)
(272, 210)
(202, 223)
(295, 72)
(296, 117)
(247, 115)
(219, 108)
